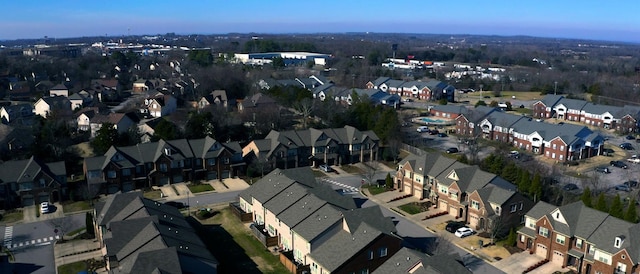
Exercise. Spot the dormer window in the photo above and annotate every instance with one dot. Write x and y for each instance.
(618, 241)
(167, 151)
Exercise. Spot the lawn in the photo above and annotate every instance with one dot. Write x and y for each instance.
(72, 268)
(200, 188)
(375, 190)
(76, 206)
(231, 241)
(152, 194)
(351, 169)
(11, 216)
(411, 208)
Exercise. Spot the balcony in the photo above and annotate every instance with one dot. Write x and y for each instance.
(263, 236)
(244, 217)
(286, 258)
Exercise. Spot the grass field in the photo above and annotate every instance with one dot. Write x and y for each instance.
(410, 208)
(375, 190)
(200, 188)
(76, 206)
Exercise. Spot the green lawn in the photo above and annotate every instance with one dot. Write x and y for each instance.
(375, 190)
(200, 188)
(76, 206)
(410, 208)
(152, 194)
(351, 169)
(72, 268)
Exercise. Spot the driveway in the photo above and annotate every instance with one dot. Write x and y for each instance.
(519, 262)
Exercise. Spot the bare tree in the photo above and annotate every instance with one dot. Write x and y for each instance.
(439, 245)
(369, 171)
(305, 108)
(495, 227)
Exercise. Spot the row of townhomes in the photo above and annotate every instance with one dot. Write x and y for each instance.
(28, 182)
(139, 235)
(162, 162)
(312, 147)
(482, 200)
(560, 142)
(318, 230)
(581, 238)
(622, 119)
(432, 90)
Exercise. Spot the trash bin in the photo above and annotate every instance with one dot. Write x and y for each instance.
(480, 243)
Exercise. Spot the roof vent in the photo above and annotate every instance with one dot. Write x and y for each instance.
(353, 238)
(365, 231)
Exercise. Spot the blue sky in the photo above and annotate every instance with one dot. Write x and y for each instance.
(599, 20)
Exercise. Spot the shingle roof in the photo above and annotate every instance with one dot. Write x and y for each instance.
(19, 171)
(551, 100)
(342, 246)
(571, 103)
(410, 261)
(318, 222)
(380, 81)
(495, 195)
(601, 109)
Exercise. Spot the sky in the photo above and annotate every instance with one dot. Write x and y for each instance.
(586, 19)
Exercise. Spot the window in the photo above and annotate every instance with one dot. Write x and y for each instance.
(560, 239)
(111, 174)
(163, 167)
(514, 207)
(621, 268)
(475, 204)
(211, 162)
(579, 243)
(364, 271)
(544, 232)
(592, 250)
(383, 251)
(618, 242)
(554, 146)
(521, 205)
(443, 189)
(370, 254)
(226, 160)
(126, 172)
(454, 195)
(561, 148)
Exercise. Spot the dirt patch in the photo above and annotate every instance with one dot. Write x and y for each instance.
(84, 149)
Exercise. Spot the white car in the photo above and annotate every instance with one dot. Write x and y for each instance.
(634, 160)
(326, 168)
(44, 207)
(423, 129)
(463, 232)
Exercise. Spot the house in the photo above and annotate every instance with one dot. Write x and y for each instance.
(311, 224)
(79, 100)
(441, 90)
(375, 84)
(544, 107)
(30, 182)
(160, 105)
(147, 129)
(312, 147)
(11, 113)
(20, 91)
(407, 260)
(216, 97)
(139, 235)
(47, 106)
(14, 140)
(256, 103)
(163, 162)
(142, 85)
(580, 238)
(464, 192)
(59, 90)
(92, 120)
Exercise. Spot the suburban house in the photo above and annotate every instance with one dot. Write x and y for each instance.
(12, 113)
(410, 261)
(561, 142)
(162, 162)
(14, 139)
(312, 147)
(160, 105)
(139, 235)
(581, 238)
(79, 100)
(483, 200)
(217, 97)
(58, 105)
(623, 119)
(315, 228)
(59, 90)
(256, 103)
(30, 182)
(92, 120)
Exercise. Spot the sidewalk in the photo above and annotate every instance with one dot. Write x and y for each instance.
(76, 251)
(181, 190)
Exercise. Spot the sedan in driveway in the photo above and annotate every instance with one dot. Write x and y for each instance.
(627, 146)
(423, 129)
(463, 232)
(452, 150)
(569, 187)
(619, 164)
(454, 226)
(325, 168)
(623, 187)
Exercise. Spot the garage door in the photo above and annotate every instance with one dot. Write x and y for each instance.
(226, 174)
(453, 211)
(27, 200)
(558, 258)
(127, 186)
(212, 175)
(113, 189)
(541, 250)
(163, 181)
(177, 179)
(43, 197)
(443, 206)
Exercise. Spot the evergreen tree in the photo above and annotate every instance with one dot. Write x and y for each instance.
(388, 182)
(631, 215)
(601, 204)
(525, 182)
(497, 165)
(616, 209)
(535, 189)
(166, 130)
(89, 224)
(512, 238)
(106, 137)
(510, 172)
(586, 197)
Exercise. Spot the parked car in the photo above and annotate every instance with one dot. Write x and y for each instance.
(629, 137)
(619, 164)
(452, 150)
(627, 146)
(407, 100)
(423, 129)
(463, 232)
(570, 187)
(514, 154)
(442, 134)
(44, 208)
(631, 183)
(608, 152)
(634, 160)
(453, 226)
(623, 187)
(603, 169)
(178, 205)
(434, 132)
(325, 168)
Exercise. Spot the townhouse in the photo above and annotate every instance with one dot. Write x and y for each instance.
(12, 113)
(622, 119)
(431, 90)
(407, 260)
(560, 142)
(482, 200)
(29, 182)
(312, 147)
(581, 238)
(315, 228)
(139, 235)
(162, 162)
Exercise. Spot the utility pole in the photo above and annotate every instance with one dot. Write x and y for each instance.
(555, 88)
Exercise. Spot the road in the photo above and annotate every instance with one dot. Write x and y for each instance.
(32, 243)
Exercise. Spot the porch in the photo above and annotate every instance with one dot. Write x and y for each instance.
(263, 236)
(244, 217)
(286, 258)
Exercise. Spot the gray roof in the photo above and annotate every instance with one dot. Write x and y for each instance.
(371, 215)
(451, 109)
(342, 246)
(405, 260)
(505, 120)
(569, 133)
(495, 195)
(392, 83)
(20, 171)
(604, 236)
(571, 103)
(318, 222)
(470, 178)
(380, 81)
(300, 210)
(540, 209)
(551, 100)
(601, 109)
